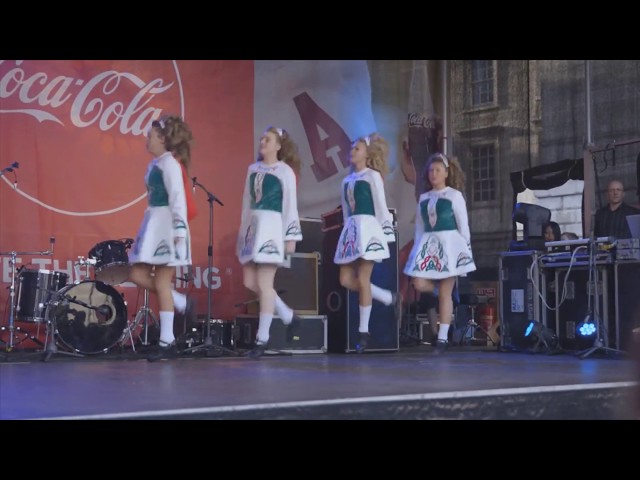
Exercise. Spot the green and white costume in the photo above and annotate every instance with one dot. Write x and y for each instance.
(163, 237)
(269, 213)
(368, 224)
(442, 245)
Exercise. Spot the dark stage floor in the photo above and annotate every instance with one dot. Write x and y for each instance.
(464, 383)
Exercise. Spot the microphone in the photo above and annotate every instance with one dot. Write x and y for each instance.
(194, 184)
(10, 168)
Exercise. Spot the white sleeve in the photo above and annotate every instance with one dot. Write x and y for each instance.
(419, 224)
(290, 217)
(246, 198)
(383, 215)
(343, 202)
(174, 183)
(462, 218)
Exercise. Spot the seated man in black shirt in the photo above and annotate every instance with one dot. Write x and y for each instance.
(611, 220)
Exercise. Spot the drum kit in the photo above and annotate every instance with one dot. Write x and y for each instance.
(86, 316)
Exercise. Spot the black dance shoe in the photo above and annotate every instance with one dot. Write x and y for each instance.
(441, 346)
(164, 352)
(363, 342)
(257, 351)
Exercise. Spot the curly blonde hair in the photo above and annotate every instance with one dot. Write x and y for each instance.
(456, 178)
(288, 152)
(377, 152)
(177, 137)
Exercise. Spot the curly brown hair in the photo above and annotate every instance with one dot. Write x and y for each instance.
(456, 178)
(288, 152)
(177, 137)
(377, 152)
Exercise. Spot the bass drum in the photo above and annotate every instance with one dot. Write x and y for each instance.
(90, 317)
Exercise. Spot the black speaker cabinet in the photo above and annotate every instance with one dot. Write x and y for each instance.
(519, 300)
(341, 306)
(297, 284)
(312, 235)
(311, 336)
(627, 302)
(575, 307)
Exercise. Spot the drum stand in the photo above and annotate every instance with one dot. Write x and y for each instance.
(9, 345)
(144, 314)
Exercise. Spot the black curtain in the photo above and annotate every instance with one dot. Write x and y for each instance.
(546, 177)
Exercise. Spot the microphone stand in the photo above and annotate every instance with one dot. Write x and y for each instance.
(207, 344)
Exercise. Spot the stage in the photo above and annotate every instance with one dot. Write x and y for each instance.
(412, 383)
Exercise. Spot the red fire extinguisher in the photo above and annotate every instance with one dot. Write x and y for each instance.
(487, 316)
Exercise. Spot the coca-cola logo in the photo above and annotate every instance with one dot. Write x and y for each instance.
(420, 120)
(84, 121)
(107, 99)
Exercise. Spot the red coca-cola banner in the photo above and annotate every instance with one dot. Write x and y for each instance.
(77, 130)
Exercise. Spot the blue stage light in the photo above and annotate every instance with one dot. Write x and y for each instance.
(587, 329)
(529, 329)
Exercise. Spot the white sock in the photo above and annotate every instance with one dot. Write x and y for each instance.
(381, 294)
(365, 313)
(443, 332)
(179, 301)
(263, 327)
(166, 328)
(284, 311)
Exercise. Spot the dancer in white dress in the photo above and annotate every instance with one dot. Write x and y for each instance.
(367, 229)
(270, 228)
(163, 240)
(442, 244)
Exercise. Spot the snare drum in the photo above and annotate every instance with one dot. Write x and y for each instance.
(112, 262)
(35, 289)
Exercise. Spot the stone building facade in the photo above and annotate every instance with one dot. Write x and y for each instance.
(509, 115)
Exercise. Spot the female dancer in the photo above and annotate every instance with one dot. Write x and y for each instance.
(367, 229)
(163, 241)
(270, 227)
(442, 244)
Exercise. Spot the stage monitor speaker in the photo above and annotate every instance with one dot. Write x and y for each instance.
(312, 235)
(627, 302)
(342, 308)
(519, 302)
(575, 307)
(298, 284)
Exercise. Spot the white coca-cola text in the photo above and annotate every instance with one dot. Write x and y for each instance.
(97, 100)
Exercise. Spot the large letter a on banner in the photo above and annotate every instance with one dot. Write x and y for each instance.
(325, 151)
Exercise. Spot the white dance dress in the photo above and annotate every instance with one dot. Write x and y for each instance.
(442, 245)
(368, 224)
(269, 213)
